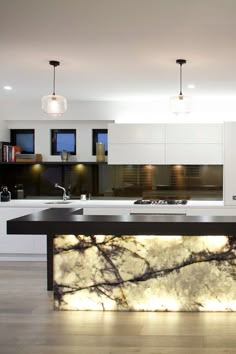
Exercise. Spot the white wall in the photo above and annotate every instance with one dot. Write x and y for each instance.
(4, 131)
(207, 109)
(31, 110)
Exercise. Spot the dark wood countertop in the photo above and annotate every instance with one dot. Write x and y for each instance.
(71, 221)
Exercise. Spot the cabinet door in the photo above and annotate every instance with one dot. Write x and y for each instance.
(230, 163)
(194, 144)
(211, 211)
(190, 144)
(19, 244)
(139, 154)
(194, 133)
(152, 210)
(136, 133)
(194, 154)
(136, 144)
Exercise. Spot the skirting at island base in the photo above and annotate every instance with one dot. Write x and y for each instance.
(145, 273)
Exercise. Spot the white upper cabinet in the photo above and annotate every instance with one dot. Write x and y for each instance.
(194, 144)
(190, 144)
(136, 154)
(136, 144)
(194, 133)
(136, 133)
(194, 154)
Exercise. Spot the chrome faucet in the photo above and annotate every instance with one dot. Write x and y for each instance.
(64, 196)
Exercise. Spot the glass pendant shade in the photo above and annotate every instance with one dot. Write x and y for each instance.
(54, 105)
(180, 104)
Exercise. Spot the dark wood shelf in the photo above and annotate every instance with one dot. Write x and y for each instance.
(55, 163)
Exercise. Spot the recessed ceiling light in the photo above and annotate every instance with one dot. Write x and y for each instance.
(191, 86)
(7, 88)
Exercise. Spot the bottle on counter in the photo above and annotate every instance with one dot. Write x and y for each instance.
(18, 191)
(5, 195)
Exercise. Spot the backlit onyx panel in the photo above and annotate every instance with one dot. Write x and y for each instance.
(145, 273)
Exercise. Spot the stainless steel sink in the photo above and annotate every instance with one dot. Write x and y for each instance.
(59, 202)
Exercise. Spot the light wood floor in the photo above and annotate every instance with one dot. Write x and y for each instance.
(28, 324)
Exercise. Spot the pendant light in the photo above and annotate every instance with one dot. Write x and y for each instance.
(180, 103)
(54, 105)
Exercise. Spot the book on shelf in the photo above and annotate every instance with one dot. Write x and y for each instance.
(4, 151)
(12, 153)
(13, 150)
(8, 151)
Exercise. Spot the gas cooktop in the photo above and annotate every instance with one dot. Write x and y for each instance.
(161, 201)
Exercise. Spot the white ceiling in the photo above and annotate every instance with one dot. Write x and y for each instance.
(117, 49)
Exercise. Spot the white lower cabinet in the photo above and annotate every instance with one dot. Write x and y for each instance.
(19, 245)
(158, 211)
(212, 212)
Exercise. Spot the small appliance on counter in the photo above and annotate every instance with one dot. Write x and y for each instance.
(5, 194)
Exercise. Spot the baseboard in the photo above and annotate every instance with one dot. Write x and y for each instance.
(22, 257)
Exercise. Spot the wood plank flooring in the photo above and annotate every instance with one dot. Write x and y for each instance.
(29, 325)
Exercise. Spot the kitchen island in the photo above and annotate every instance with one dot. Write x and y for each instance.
(25, 248)
(137, 262)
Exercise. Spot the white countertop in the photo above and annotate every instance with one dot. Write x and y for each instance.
(74, 203)
(106, 203)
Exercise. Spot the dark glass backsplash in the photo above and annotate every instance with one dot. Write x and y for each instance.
(122, 181)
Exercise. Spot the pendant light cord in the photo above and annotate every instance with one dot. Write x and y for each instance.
(180, 80)
(54, 80)
(180, 62)
(54, 63)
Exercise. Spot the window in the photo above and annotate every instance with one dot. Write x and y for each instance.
(63, 139)
(100, 136)
(23, 138)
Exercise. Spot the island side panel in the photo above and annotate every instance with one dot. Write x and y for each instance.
(50, 248)
(145, 273)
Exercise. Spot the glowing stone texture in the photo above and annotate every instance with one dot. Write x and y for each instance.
(145, 273)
